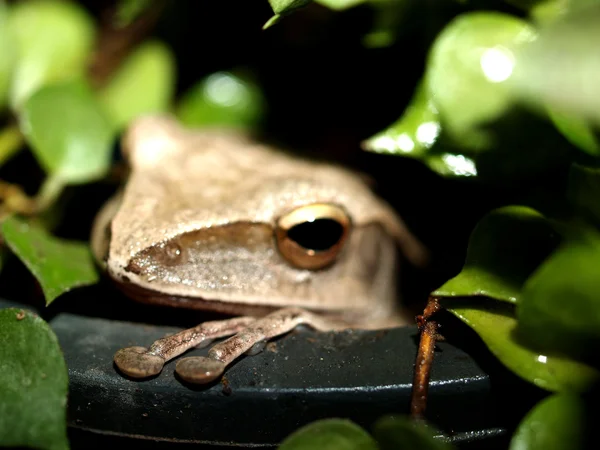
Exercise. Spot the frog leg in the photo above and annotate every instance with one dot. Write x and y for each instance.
(200, 369)
(141, 362)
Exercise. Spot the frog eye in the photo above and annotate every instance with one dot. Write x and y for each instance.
(312, 236)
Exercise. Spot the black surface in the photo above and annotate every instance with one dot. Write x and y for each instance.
(297, 379)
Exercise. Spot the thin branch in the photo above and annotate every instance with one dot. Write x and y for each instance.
(424, 362)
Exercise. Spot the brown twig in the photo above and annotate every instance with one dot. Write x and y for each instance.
(424, 362)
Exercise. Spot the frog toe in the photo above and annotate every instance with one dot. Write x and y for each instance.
(199, 369)
(137, 362)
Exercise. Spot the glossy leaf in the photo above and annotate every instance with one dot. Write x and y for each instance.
(143, 84)
(467, 65)
(555, 423)
(399, 433)
(54, 42)
(329, 434)
(283, 7)
(33, 383)
(7, 55)
(560, 306)
(415, 135)
(577, 131)
(222, 98)
(496, 326)
(415, 132)
(57, 264)
(584, 191)
(286, 6)
(69, 133)
(505, 248)
(340, 4)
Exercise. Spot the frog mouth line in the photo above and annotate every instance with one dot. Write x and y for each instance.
(149, 296)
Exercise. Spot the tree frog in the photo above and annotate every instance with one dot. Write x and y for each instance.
(210, 219)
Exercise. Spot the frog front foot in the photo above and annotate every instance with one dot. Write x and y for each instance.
(139, 362)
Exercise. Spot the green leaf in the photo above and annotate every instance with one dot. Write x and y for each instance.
(469, 61)
(222, 98)
(7, 55)
(33, 383)
(329, 434)
(57, 264)
(282, 8)
(583, 191)
(54, 41)
(390, 20)
(130, 10)
(505, 248)
(415, 135)
(577, 131)
(555, 423)
(560, 306)
(496, 325)
(415, 132)
(399, 433)
(69, 132)
(287, 6)
(143, 84)
(340, 5)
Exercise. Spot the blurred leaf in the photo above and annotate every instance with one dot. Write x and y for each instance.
(286, 6)
(414, 133)
(559, 70)
(58, 265)
(33, 383)
(222, 98)
(54, 40)
(7, 55)
(577, 131)
(399, 433)
(130, 10)
(11, 141)
(583, 191)
(283, 7)
(143, 84)
(329, 434)
(560, 306)
(506, 246)
(496, 325)
(467, 65)
(388, 22)
(340, 4)
(546, 12)
(69, 132)
(555, 423)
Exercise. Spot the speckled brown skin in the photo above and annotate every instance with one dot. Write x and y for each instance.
(194, 227)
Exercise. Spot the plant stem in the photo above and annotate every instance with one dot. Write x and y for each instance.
(49, 192)
(424, 362)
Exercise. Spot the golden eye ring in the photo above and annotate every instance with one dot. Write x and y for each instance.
(312, 236)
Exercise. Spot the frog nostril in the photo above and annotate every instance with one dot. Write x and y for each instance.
(172, 250)
(170, 253)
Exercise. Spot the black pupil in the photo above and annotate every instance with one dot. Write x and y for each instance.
(321, 234)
